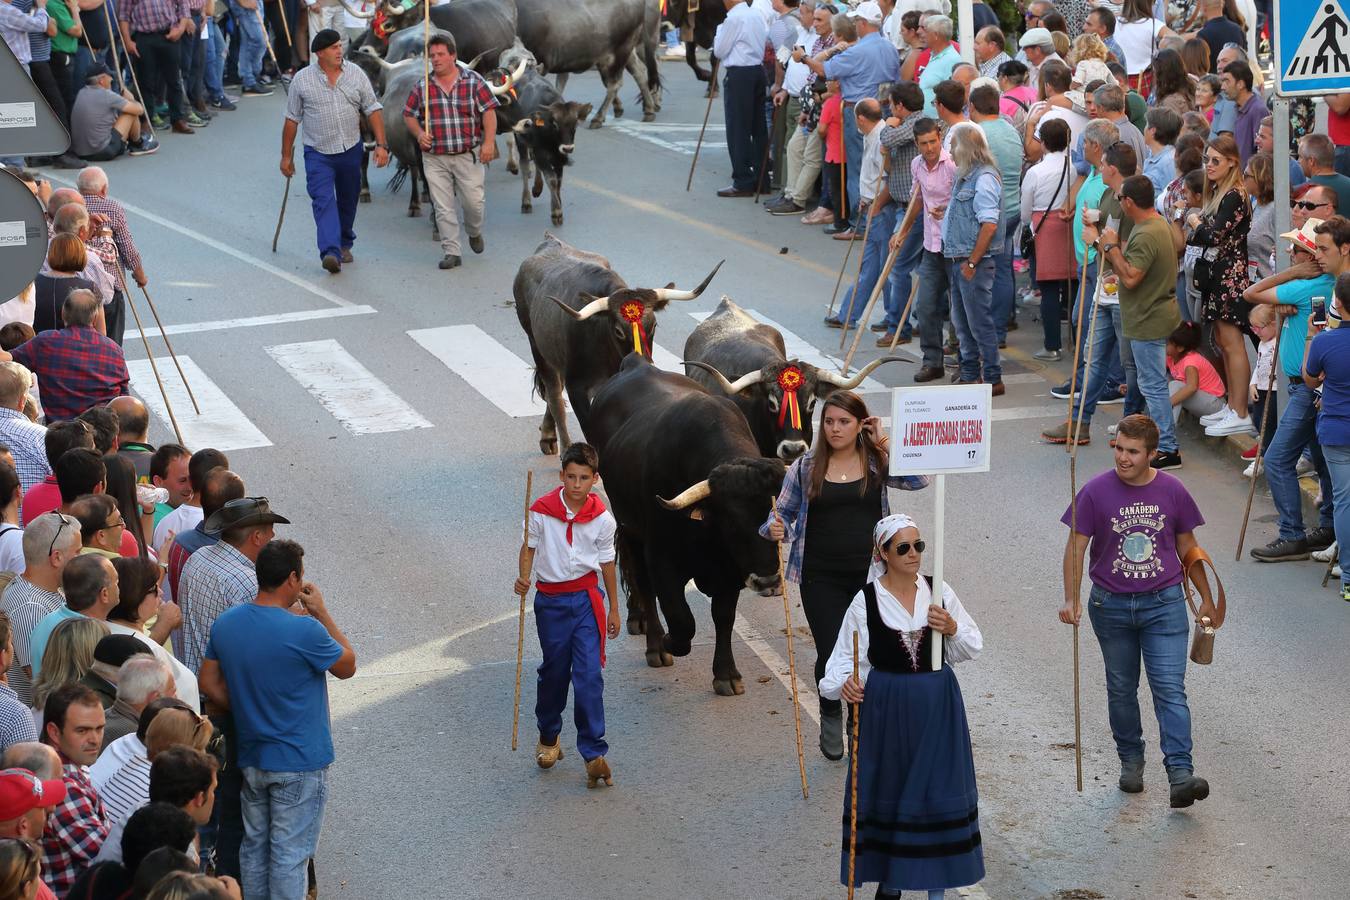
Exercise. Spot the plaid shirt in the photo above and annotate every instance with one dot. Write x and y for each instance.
(456, 116)
(16, 719)
(898, 142)
(152, 15)
(26, 441)
(26, 604)
(792, 507)
(184, 545)
(215, 579)
(820, 44)
(329, 113)
(75, 831)
(120, 245)
(76, 368)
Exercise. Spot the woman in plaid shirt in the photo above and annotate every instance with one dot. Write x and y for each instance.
(830, 550)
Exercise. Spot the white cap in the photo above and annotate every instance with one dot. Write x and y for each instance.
(1036, 37)
(868, 10)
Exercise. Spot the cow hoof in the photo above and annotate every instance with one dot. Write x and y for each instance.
(658, 659)
(649, 117)
(526, 208)
(618, 110)
(364, 198)
(636, 626)
(548, 446)
(557, 219)
(513, 168)
(728, 687)
(596, 123)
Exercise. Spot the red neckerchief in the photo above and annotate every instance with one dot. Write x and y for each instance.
(551, 504)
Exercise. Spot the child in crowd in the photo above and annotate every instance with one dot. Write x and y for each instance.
(1195, 385)
(1262, 320)
(570, 542)
(831, 130)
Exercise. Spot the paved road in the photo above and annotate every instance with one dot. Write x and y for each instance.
(386, 411)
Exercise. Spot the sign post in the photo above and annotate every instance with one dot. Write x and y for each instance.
(939, 431)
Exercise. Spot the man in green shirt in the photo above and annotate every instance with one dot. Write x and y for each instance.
(1146, 270)
(65, 43)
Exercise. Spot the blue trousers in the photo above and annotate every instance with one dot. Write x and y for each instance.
(853, 151)
(1004, 278)
(1150, 370)
(570, 640)
(897, 292)
(1110, 351)
(973, 315)
(215, 63)
(1153, 626)
(252, 44)
(874, 256)
(334, 184)
(1298, 429)
(932, 307)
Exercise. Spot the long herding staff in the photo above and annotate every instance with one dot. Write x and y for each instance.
(1075, 429)
(285, 26)
(840, 279)
(768, 142)
(267, 42)
(117, 63)
(174, 356)
(904, 316)
(712, 93)
(1078, 334)
(168, 406)
(426, 67)
(857, 276)
(853, 803)
(520, 633)
(1261, 450)
(867, 310)
(792, 663)
(286, 194)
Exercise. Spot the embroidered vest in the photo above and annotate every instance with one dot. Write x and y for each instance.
(898, 652)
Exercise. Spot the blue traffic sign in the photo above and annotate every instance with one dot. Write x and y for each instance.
(1312, 47)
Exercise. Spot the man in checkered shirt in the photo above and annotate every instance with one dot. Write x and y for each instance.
(73, 722)
(112, 242)
(461, 138)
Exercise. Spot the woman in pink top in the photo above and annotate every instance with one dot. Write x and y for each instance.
(1196, 386)
(1017, 94)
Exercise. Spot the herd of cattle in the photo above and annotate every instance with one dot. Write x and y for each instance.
(714, 440)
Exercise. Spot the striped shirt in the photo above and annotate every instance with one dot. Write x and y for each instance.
(127, 791)
(898, 142)
(26, 440)
(26, 604)
(16, 720)
(214, 579)
(329, 113)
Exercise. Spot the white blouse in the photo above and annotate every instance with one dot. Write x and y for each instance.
(965, 644)
(1046, 183)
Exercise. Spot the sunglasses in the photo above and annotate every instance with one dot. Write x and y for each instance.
(1308, 205)
(904, 548)
(1213, 160)
(56, 537)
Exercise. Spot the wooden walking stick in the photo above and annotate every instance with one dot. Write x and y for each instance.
(842, 267)
(712, 93)
(168, 406)
(520, 633)
(857, 277)
(267, 42)
(286, 194)
(768, 142)
(1260, 447)
(426, 66)
(117, 63)
(1078, 335)
(853, 802)
(174, 356)
(792, 664)
(867, 311)
(904, 316)
(285, 26)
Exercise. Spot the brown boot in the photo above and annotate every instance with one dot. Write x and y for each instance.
(597, 770)
(1061, 433)
(546, 755)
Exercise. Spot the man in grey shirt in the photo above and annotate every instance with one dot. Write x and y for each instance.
(103, 123)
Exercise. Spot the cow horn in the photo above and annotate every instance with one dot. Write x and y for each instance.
(740, 384)
(598, 305)
(669, 294)
(473, 63)
(356, 11)
(688, 497)
(848, 384)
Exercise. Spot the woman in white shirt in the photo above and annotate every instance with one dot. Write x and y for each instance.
(1045, 191)
(918, 817)
(1139, 34)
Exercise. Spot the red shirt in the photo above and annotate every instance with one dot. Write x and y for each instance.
(42, 497)
(1338, 127)
(832, 126)
(456, 115)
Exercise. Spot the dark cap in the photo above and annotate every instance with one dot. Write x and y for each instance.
(240, 513)
(116, 649)
(325, 39)
(96, 70)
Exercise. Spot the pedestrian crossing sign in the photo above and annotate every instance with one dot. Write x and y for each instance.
(1312, 47)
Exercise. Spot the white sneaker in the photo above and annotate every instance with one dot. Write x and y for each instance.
(1304, 466)
(1252, 468)
(673, 52)
(1231, 424)
(1328, 554)
(1216, 417)
(1336, 571)
(1111, 430)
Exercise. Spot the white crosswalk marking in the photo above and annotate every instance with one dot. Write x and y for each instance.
(798, 348)
(664, 359)
(221, 425)
(676, 137)
(490, 368)
(361, 402)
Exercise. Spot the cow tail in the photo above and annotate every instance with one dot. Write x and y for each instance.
(400, 176)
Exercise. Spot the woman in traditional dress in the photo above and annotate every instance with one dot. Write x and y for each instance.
(918, 818)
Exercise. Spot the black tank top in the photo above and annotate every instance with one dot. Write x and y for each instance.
(839, 527)
(901, 653)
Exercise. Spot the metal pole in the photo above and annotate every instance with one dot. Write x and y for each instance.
(1283, 221)
(966, 17)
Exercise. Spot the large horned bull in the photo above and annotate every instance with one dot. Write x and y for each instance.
(481, 27)
(658, 433)
(582, 319)
(745, 359)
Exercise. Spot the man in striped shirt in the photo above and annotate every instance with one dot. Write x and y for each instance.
(25, 439)
(49, 542)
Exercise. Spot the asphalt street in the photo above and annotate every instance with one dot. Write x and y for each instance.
(382, 411)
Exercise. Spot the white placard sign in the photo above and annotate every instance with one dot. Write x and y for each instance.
(940, 430)
(13, 234)
(18, 115)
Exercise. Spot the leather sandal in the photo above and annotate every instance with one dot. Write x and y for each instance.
(597, 770)
(547, 755)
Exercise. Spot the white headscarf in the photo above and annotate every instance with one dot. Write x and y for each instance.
(886, 529)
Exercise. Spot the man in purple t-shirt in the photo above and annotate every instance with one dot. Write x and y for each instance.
(1139, 523)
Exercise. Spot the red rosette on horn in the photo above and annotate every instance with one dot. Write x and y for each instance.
(632, 312)
(789, 380)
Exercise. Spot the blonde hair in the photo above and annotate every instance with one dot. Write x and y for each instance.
(1087, 46)
(69, 655)
(186, 885)
(1227, 147)
(1061, 42)
(173, 727)
(19, 865)
(1261, 314)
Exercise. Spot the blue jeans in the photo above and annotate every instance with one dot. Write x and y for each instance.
(874, 255)
(1150, 369)
(1338, 465)
(1298, 429)
(906, 261)
(569, 637)
(973, 316)
(1056, 296)
(1004, 279)
(853, 150)
(932, 306)
(1154, 626)
(215, 63)
(1109, 351)
(283, 812)
(252, 47)
(334, 184)
(193, 61)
